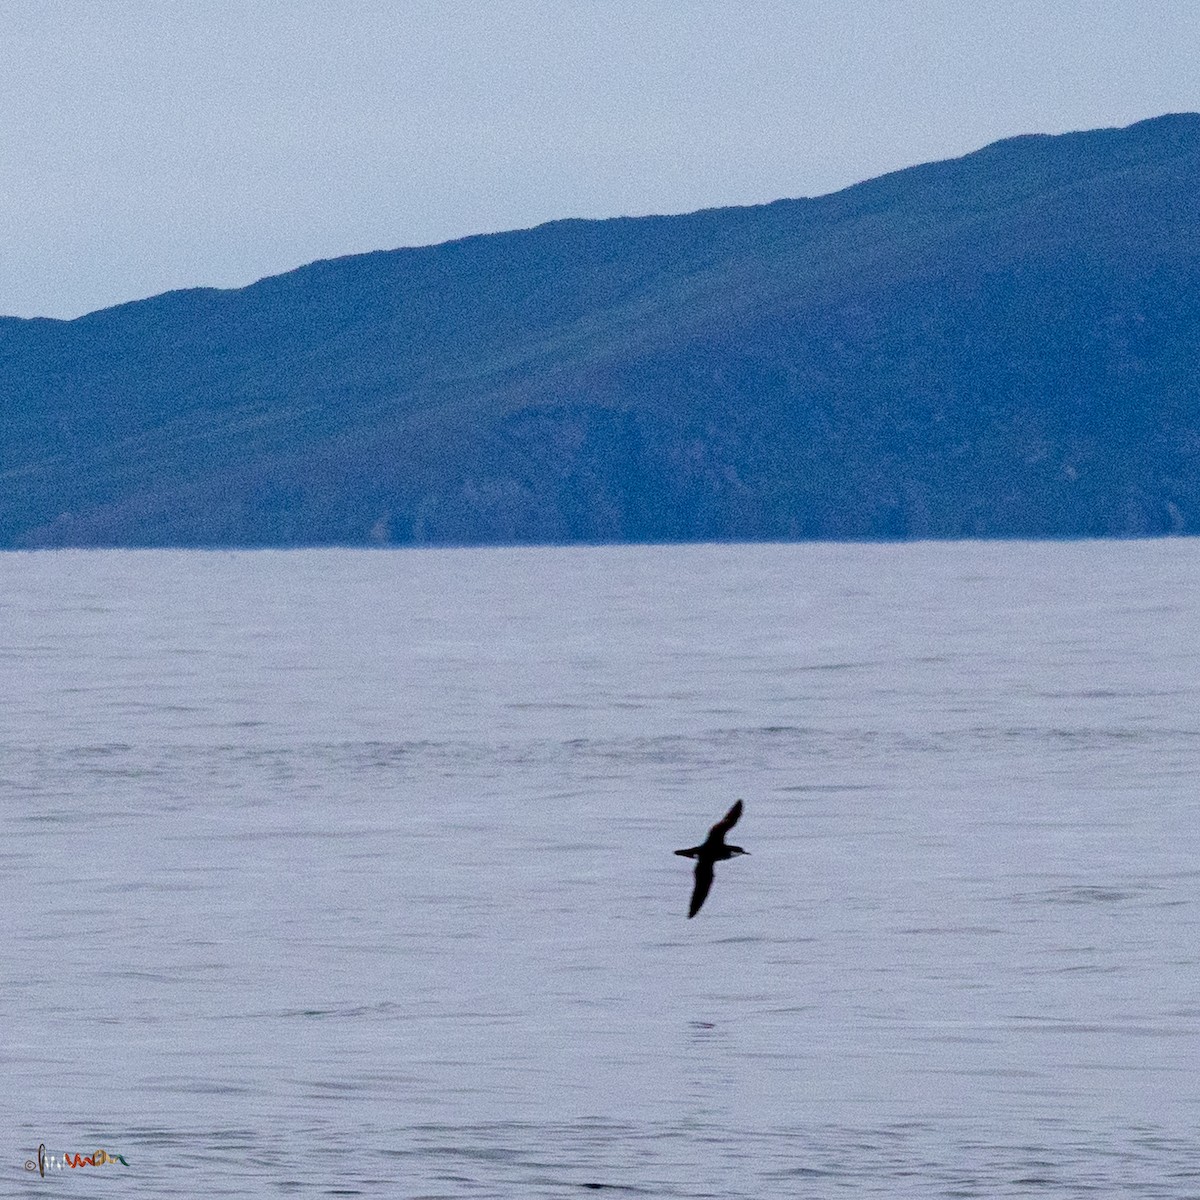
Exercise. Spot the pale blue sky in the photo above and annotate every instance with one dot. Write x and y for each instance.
(154, 144)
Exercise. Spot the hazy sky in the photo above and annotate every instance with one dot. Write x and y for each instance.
(152, 145)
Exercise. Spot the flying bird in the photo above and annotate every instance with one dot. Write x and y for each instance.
(712, 849)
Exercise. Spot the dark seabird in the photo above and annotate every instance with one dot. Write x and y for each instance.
(711, 850)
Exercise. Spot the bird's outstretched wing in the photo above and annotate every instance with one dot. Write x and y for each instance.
(727, 822)
(704, 876)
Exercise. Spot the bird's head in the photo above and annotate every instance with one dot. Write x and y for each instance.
(735, 850)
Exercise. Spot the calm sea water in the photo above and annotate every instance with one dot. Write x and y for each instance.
(350, 873)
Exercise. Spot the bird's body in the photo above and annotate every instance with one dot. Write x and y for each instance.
(712, 850)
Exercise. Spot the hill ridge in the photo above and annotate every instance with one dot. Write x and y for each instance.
(993, 345)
